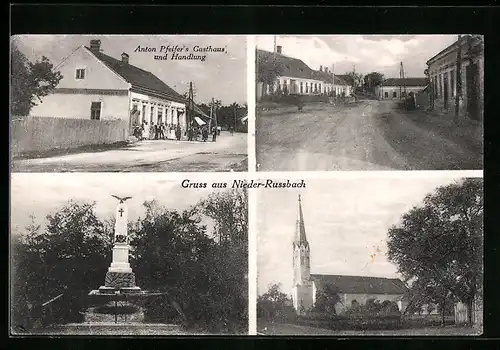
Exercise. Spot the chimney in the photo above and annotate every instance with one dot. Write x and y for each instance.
(326, 69)
(95, 45)
(320, 68)
(125, 58)
(278, 49)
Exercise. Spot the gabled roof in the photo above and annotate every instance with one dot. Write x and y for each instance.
(296, 68)
(405, 82)
(361, 284)
(141, 80)
(292, 67)
(327, 77)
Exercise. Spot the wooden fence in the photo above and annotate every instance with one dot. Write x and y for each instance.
(38, 134)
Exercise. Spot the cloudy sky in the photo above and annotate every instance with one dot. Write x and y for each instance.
(45, 193)
(380, 53)
(221, 76)
(346, 223)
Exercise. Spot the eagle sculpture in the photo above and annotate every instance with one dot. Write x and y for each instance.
(122, 200)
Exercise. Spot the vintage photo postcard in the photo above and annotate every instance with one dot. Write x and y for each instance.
(369, 102)
(371, 256)
(128, 103)
(126, 254)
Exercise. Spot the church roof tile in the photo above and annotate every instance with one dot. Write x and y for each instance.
(361, 284)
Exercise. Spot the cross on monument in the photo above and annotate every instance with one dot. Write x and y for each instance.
(121, 212)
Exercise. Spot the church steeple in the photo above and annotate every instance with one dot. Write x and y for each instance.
(302, 285)
(300, 229)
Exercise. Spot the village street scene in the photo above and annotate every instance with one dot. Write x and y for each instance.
(369, 102)
(128, 103)
(126, 254)
(380, 256)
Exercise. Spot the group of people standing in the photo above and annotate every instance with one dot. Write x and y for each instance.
(159, 131)
(195, 132)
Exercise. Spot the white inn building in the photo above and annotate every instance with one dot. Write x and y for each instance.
(299, 79)
(99, 87)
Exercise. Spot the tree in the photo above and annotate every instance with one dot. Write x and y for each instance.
(372, 80)
(326, 299)
(30, 81)
(273, 303)
(440, 244)
(69, 255)
(353, 79)
(269, 68)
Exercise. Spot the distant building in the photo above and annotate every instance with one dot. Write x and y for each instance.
(299, 79)
(99, 87)
(442, 70)
(351, 289)
(397, 88)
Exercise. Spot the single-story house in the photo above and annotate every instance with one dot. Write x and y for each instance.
(99, 87)
(398, 88)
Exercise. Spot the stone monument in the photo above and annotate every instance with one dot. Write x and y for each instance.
(120, 275)
(116, 308)
(119, 284)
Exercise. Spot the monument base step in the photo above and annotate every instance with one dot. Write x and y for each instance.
(105, 328)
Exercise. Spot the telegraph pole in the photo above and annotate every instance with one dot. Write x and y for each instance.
(211, 115)
(403, 76)
(191, 104)
(214, 114)
(458, 77)
(333, 84)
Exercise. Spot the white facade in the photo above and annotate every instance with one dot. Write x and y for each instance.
(303, 86)
(73, 97)
(393, 92)
(158, 110)
(100, 93)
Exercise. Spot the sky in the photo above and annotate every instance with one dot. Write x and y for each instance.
(367, 53)
(45, 193)
(346, 222)
(222, 76)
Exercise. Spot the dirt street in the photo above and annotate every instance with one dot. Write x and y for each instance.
(368, 135)
(228, 153)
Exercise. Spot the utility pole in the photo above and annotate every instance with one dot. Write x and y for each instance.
(214, 108)
(400, 79)
(458, 77)
(403, 76)
(274, 45)
(211, 115)
(191, 104)
(333, 81)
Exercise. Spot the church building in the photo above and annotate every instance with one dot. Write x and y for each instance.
(352, 289)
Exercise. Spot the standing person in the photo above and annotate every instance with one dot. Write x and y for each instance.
(152, 131)
(162, 131)
(145, 130)
(232, 130)
(204, 133)
(214, 134)
(178, 133)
